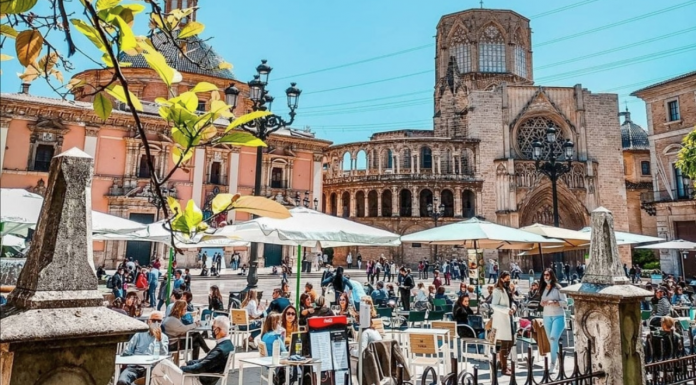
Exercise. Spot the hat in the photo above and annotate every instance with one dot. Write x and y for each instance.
(156, 316)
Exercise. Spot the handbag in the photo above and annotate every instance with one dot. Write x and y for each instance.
(490, 337)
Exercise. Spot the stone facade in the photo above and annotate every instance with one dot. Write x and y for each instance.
(671, 112)
(33, 129)
(487, 114)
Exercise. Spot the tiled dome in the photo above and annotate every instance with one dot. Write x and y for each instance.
(633, 136)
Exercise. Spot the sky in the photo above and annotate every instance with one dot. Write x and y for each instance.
(367, 66)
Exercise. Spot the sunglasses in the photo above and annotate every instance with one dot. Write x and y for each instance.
(292, 314)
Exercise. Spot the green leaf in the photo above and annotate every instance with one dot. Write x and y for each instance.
(193, 214)
(157, 62)
(89, 32)
(220, 108)
(204, 87)
(180, 116)
(192, 28)
(7, 30)
(9, 7)
(126, 38)
(117, 91)
(222, 202)
(106, 4)
(188, 100)
(242, 139)
(178, 153)
(247, 118)
(28, 46)
(102, 106)
(180, 137)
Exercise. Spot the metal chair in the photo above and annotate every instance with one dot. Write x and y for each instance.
(222, 376)
(240, 317)
(434, 315)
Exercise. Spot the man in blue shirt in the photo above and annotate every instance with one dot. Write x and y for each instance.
(357, 291)
(144, 344)
(278, 304)
(379, 295)
(178, 279)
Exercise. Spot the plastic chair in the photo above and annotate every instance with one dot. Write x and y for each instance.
(415, 317)
(434, 315)
(423, 351)
(240, 317)
(438, 304)
(222, 376)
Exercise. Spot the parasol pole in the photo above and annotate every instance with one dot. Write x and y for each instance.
(299, 274)
(169, 275)
(479, 296)
(541, 256)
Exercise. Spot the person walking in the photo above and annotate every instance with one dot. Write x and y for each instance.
(426, 265)
(387, 271)
(349, 260)
(503, 307)
(492, 271)
(554, 303)
(377, 269)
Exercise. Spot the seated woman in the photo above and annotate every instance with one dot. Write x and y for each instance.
(461, 312)
(131, 305)
(679, 298)
(176, 330)
(345, 306)
(272, 331)
(255, 311)
(306, 308)
(288, 321)
(285, 288)
(420, 302)
(215, 299)
(440, 294)
(322, 310)
(188, 297)
(390, 290)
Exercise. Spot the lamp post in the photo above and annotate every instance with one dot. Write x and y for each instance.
(261, 128)
(553, 167)
(436, 212)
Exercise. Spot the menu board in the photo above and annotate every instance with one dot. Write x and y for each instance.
(331, 347)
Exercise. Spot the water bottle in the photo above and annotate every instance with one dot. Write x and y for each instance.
(156, 353)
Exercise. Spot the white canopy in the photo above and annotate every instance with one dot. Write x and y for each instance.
(156, 232)
(628, 238)
(20, 210)
(677, 244)
(480, 234)
(10, 240)
(308, 228)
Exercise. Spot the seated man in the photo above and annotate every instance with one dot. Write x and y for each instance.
(379, 295)
(215, 362)
(278, 304)
(144, 343)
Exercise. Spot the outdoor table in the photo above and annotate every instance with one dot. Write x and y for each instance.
(682, 310)
(140, 360)
(267, 362)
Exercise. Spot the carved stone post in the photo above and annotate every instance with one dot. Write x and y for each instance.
(607, 310)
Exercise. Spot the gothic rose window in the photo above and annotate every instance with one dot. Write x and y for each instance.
(534, 129)
(492, 51)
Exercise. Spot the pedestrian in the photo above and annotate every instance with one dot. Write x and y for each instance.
(387, 271)
(117, 282)
(448, 273)
(503, 309)
(218, 261)
(152, 278)
(162, 293)
(349, 260)
(405, 288)
(492, 271)
(359, 259)
(554, 303)
(377, 269)
(187, 279)
(426, 265)
(318, 261)
(420, 270)
(325, 259)
(566, 272)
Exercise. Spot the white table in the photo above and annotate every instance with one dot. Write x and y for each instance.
(267, 362)
(140, 360)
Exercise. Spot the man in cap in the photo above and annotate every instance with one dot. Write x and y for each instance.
(144, 344)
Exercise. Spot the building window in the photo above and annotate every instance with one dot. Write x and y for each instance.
(645, 168)
(673, 110)
(390, 159)
(520, 61)
(492, 51)
(533, 130)
(407, 158)
(682, 184)
(44, 154)
(277, 178)
(215, 173)
(201, 106)
(415, 244)
(462, 56)
(143, 169)
(426, 158)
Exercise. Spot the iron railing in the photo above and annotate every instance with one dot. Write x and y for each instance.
(686, 193)
(674, 364)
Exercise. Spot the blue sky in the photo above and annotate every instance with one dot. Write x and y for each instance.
(301, 39)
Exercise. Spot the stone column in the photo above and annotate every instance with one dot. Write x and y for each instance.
(607, 310)
(198, 175)
(417, 163)
(439, 164)
(457, 202)
(415, 203)
(291, 166)
(396, 163)
(379, 203)
(395, 201)
(4, 129)
(379, 164)
(353, 201)
(367, 206)
(339, 205)
(317, 182)
(413, 164)
(233, 177)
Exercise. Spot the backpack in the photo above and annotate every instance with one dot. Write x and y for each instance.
(110, 282)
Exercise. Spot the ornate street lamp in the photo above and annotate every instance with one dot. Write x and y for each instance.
(436, 212)
(552, 167)
(262, 128)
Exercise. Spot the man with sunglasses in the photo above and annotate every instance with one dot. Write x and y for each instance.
(144, 344)
(215, 362)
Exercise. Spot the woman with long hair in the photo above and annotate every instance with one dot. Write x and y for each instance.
(215, 299)
(503, 308)
(175, 330)
(554, 303)
(272, 331)
(288, 321)
(255, 312)
(461, 312)
(131, 305)
(344, 306)
(285, 288)
(306, 308)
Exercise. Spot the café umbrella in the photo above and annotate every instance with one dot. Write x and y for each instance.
(677, 244)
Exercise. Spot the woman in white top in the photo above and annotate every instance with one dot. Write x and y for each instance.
(255, 311)
(554, 303)
(420, 302)
(503, 308)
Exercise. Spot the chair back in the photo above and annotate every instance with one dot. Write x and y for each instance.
(239, 317)
(384, 312)
(416, 316)
(439, 303)
(473, 302)
(263, 352)
(449, 325)
(229, 366)
(434, 315)
(423, 344)
(476, 322)
(378, 324)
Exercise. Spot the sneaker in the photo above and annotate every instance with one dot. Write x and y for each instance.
(253, 345)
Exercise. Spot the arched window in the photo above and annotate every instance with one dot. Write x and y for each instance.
(407, 159)
(534, 129)
(389, 160)
(361, 160)
(360, 204)
(425, 198)
(334, 204)
(405, 203)
(345, 204)
(447, 199)
(426, 157)
(387, 203)
(519, 55)
(460, 50)
(143, 169)
(346, 161)
(447, 162)
(468, 204)
(372, 203)
(491, 50)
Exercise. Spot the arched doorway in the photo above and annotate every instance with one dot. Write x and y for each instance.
(468, 204)
(447, 199)
(405, 204)
(425, 198)
(334, 204)
(372, 203)
(386, 203)
(360, 204)
(345, 204)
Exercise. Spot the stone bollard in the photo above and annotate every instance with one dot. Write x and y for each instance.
(607, 311)
(54, 329)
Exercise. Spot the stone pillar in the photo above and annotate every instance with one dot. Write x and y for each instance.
(317, 181)
(4, 129)
(395, 201)
(367, 206)
(457, 202)
(607, 310)
(396, 163)
(379, 203)
(417, 163)
(339, 205)
(198, 175)
(353, 212)
(415, 200)
(233, 177)
(379, 164)
(79, 345)
(439, 164)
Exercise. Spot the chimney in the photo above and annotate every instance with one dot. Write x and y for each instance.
(25, 88)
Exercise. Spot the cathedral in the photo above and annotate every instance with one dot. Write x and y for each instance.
(478, 159)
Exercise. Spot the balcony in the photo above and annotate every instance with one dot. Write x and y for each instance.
(217, 179)
(389, 177)
(686, 193)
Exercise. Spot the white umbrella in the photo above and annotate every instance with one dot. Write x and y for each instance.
(677, 244)
(626, 238)
(308, 228)
(10, 240)
(20, 210)
(156, 232)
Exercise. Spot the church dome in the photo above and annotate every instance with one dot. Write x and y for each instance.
(633, 136)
